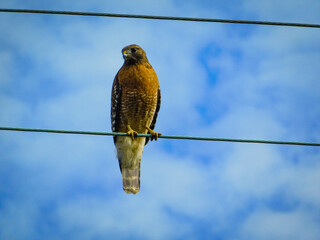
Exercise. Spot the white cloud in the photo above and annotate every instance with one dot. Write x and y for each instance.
(65, 68)
(266, 224)
(295, 11)
(17, 220)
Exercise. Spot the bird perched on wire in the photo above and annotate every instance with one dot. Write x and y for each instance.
(135, 103)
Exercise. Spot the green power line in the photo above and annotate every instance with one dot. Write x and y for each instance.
(161, 136)
(97, 14)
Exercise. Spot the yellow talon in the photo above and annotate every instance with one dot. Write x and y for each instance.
(154, 134)
(133, 134)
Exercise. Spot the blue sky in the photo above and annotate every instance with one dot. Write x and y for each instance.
(217, 80)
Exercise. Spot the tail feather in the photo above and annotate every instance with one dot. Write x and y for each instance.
(129, 153)
(131, 180)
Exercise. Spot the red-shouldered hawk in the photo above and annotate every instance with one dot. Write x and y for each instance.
(135, 104)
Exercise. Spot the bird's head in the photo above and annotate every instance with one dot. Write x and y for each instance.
(134, 54)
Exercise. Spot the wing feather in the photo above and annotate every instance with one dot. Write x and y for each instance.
(115, 106)
(154, 120)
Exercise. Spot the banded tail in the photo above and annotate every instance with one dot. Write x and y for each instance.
(131, 180)
(129, 153)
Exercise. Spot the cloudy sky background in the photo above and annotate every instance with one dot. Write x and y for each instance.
(217, 80)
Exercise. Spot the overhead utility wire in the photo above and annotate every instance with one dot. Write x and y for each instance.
(97, 14)
(161, 136)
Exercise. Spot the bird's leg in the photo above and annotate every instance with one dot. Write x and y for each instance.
(154, 134)
(133, 134)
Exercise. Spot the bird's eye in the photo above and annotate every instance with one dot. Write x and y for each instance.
(133, 50)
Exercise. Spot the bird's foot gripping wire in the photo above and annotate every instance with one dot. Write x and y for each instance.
(133, 134)
(154, 135)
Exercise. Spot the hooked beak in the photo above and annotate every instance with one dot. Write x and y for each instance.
(125, 54)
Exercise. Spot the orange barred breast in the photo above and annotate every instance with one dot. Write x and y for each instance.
(140, 86)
